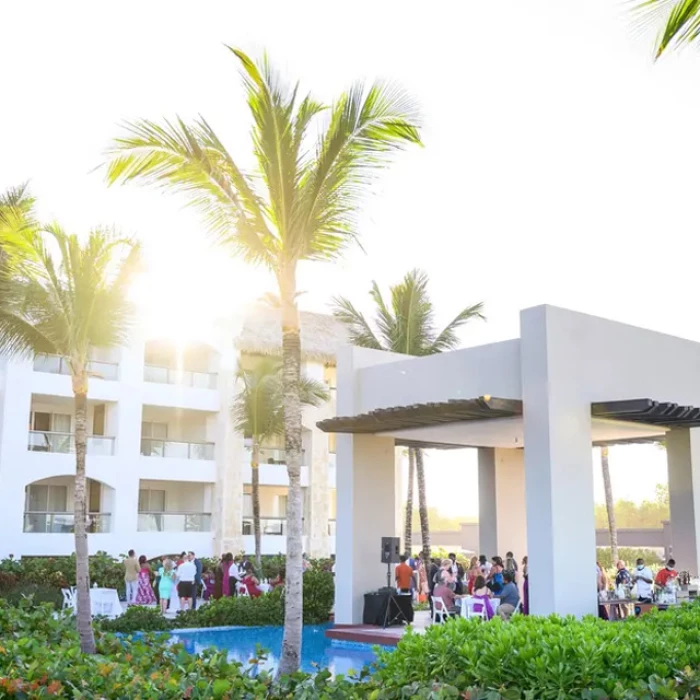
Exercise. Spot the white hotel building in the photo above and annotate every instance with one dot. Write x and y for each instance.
(166, 469)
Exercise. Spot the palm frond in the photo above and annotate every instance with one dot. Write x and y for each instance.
(385, 321)
(367, 128)
(448, 339)
(359, 330)
(191, 159)
(679, 21)
(413, 312)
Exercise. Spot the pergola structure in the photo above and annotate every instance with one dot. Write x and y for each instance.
(533, 407)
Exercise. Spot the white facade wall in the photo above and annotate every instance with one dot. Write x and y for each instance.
(193, 482)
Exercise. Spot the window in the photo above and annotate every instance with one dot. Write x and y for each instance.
(151, 429)
(45, 498)
(282, 506)
(330, 376)
(98, 420)
(51, 422)
(151, 501)
(94, 494)
(331, 442)
(247, 505)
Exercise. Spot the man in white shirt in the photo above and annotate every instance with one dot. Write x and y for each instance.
(186, 574)
(644, 579)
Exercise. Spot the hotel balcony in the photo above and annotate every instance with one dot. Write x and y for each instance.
(51, 375)
(45, 441)
(273, 465)
(49, 506)
(178, 444)
(183, 377)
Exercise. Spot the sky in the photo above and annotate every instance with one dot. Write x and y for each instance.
(556, 167)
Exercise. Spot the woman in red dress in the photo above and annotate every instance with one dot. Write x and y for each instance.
(250, 582)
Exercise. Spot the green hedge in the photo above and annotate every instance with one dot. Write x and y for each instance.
(562, 658)
(651, 658)
(268, 609)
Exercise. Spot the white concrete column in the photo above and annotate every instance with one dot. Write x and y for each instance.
(559, 470)
(229, 454)
(510, 502)
(488, 514)
(366, 513)
(683, 454)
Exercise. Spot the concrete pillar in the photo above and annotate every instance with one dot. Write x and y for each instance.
(488, 513)
(366, 479)
(319, 498)
(229, 455)
(510, 502)
(559, 470)
(683, 454)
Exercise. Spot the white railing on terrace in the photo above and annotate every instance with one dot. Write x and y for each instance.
(61, 522)
(45, 441)
(56, 364)
(271, 455)
(152, 447)
(174, 522)
(269, 526)
(169, 375)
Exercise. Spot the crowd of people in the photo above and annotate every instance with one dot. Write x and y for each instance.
(482, 580)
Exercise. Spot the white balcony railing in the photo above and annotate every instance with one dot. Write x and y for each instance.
(151, 447)
(56, 364)
(174, 522)
(268, 526)
(60, 522)
(270, 455)
(168, 375)
(45, 441)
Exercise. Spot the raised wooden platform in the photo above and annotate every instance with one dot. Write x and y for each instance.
(366, 634)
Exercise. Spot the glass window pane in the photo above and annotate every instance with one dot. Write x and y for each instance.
(38, 498)
(247, 505)
(58, 499)
(157, 501)
(143, 500)
(146, 429)
(61, 423)
(282, 506)
(42, 421)
(159, 430)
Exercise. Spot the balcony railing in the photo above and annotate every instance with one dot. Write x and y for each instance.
(268, 526)
(151, 447)
(174, 522)
(271, 455)
(56, 364)
(60, 522)
(168, 375)
(45, 441)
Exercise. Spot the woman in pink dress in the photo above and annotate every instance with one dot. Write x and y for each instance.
(482, 594)
(144, 593)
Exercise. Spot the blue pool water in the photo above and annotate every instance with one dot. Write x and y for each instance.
(317, 650)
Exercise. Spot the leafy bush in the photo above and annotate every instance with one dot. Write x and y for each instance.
(138, 618)
(319, 596)
(35, 593)
(562, 658)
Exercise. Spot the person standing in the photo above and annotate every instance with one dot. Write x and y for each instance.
(404, 575)
(186, 573)
(511, 565)
(197, 579)
(644, 579)
(144, 594)
(131, 577)
(668, 573)
(526, 589)
(166, 583)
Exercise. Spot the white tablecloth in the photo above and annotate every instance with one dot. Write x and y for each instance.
(464, 604)
(265, 587)
(104, 601)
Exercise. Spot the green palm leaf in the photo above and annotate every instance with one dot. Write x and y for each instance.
(679, 21)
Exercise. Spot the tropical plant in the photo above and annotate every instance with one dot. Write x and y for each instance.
(609, 501)
(67, 297)
(406, 325)
(679, 21)
(258, 414)
(300, 205)
(408, 519)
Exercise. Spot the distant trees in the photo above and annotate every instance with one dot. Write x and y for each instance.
(630, 514)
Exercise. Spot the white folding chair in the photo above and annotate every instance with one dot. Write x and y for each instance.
(68, 599)
(469, 611)
(439, 609)
(242, 590)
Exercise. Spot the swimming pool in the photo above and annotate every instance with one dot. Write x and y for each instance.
(317, 650)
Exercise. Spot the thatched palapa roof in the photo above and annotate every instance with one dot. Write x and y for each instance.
(321, 335)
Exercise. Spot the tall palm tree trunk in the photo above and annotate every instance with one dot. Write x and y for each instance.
(609, 503)
(291, 376)
(423, 508)
(255, 469)
(408, 524)
(82, 565)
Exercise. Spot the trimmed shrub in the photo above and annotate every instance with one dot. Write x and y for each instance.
(319, 596)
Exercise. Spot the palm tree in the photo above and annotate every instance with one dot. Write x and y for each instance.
(406, 326)
(299, 204)
(609, 502)
(679, 21)
(68, 301)
(408, 521)
(257, 413)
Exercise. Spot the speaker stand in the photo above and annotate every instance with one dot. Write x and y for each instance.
(388, 574)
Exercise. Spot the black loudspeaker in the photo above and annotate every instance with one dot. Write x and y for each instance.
(391, 547)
